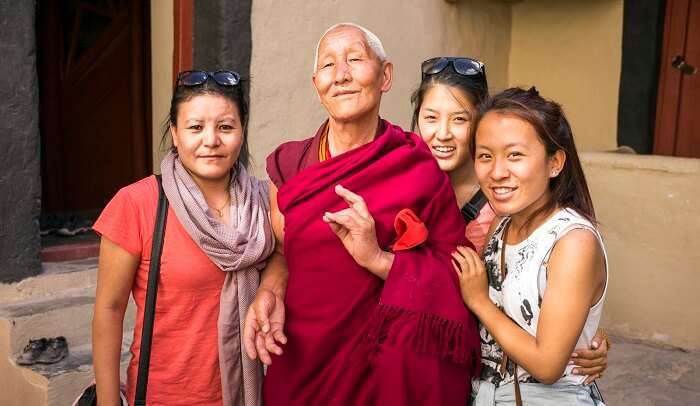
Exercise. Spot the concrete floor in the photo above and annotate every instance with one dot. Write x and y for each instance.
(644, 375)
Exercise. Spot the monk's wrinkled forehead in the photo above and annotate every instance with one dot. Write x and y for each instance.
(343, 39)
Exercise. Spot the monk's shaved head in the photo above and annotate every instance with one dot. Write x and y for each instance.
(374, 43)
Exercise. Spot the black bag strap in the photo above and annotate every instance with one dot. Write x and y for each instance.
(151, 291)
(471, 209)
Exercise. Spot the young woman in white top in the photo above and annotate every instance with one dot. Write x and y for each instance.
(540, 290)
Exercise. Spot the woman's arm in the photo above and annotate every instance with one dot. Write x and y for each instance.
(115, 277)
(575, 281)
(264, 322)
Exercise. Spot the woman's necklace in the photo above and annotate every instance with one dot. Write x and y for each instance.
(220, 211)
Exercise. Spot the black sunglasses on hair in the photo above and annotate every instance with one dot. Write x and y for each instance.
(198, 77)
(463, 66)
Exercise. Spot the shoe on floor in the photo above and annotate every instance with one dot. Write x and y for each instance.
(56, 349)
(32, 351)
(73, 226)
(49, 223)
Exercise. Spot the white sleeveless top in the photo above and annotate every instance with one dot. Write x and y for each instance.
(520, 294)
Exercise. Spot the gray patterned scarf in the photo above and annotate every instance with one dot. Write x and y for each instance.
(239, 249)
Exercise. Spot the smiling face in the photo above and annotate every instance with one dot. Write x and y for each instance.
(512, 165)
(444, 120)
(208, 136)
(349, 77)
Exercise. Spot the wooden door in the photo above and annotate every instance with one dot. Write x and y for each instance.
(677, 129)
(94, 77)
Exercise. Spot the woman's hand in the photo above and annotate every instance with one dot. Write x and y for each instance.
(472, 276)
(263, 326)
(594, 361)
(355, 228)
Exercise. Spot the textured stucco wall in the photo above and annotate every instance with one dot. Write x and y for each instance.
(284, 103)
(162, 46)
(20, 183)
(649, 210)
(571, 50)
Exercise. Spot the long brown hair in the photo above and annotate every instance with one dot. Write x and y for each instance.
(568, 189)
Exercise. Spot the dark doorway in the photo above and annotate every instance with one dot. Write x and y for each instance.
(642, 35)
(94, 76)
(678, 107)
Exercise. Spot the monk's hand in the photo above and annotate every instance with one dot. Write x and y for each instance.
(263, 327)
(473, 282)
(356, 230)
(592, 361)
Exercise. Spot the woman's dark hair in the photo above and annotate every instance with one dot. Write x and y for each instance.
(234, 94)
(569, 189)
(475, 88)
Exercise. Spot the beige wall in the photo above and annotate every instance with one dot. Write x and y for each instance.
(649, 208)
(162, 39)
(284, 104)
(571, 50)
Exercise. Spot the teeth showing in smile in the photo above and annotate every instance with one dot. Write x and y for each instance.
(440, 148)
(502, 190)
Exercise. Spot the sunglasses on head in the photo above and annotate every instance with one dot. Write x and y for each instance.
(463, 66)
(198, 77)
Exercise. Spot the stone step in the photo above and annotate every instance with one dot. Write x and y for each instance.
(67, 314)
(57, 384)
(59, 302)
(54, 279)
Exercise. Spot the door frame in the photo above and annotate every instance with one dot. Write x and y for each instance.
(670, 79)
(184, 36)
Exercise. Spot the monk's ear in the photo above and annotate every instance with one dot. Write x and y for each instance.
(313, 82)
(387, 76)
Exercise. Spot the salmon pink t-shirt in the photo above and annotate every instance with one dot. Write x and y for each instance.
(477, 230)
(184, 368)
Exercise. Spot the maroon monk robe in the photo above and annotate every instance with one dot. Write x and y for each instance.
(353, 338)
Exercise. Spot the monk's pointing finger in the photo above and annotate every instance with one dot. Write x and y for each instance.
(353, 200)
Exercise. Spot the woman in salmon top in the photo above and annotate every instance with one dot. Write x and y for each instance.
(217, 238)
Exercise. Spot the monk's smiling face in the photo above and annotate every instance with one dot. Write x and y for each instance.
(349, 77)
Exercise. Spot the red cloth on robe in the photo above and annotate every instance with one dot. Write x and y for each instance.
(410, 231)
(353, 338)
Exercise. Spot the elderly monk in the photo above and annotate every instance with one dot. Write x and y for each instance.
(365, 222)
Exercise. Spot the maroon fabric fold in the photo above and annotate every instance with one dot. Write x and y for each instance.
(353, 338)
